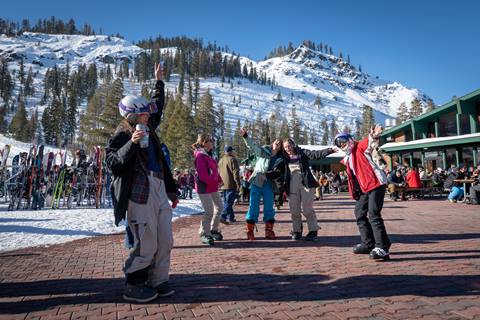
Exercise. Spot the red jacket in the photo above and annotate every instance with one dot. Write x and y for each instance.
(367, 173)
(413, 179)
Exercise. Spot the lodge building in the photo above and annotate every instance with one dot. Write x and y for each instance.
(447, 135)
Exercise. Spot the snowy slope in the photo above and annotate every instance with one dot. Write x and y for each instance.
(301, 76)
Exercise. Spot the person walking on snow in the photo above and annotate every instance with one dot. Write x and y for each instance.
(366, 184)
(142, 185)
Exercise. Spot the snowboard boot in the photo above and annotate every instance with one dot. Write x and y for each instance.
(250, 230)
(269, 234)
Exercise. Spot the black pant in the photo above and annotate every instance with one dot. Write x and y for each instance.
(475, 194)
(371, 227)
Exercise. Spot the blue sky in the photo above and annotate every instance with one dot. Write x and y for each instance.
(430, 45)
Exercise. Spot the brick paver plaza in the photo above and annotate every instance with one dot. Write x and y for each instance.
(434, 272)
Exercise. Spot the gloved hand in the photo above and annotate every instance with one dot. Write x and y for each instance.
(173, 197)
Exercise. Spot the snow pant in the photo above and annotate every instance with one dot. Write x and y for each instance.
(229, 197)
(256, 193)
(213, 206)
(301, 197)
(456, 193)
(151, 226)
(368, 210)
(475, 194)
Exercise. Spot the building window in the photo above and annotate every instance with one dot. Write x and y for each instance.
(477, 118)
(464, 124)
(431, 130)
(408, 136)
(451, 158)
(448, 125)
(433, 160)
(417, 159)
(467, 157)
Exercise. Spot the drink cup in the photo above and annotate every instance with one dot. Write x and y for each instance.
(144, 140)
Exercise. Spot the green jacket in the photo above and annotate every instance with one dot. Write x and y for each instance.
(260, 163)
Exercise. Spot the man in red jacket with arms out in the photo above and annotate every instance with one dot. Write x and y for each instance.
(366, 184)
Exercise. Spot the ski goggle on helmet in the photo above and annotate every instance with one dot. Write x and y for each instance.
(341, 139)
(136, 104)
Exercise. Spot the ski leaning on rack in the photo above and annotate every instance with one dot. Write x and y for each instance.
(98, 161)
(58, 190)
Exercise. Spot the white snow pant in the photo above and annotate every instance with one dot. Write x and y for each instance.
(151, 225)
(301, 197)
(213, 206)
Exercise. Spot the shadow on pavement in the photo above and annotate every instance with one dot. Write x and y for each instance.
(329, 241)
(201, 288)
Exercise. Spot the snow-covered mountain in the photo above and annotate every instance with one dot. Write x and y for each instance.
(301, 76)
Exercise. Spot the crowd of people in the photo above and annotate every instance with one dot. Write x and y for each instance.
(144, 190)
(412, 182)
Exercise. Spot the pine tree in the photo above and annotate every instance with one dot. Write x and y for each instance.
(19, 125)
(32, 126)
(220, 132)
(318, 102)
(368, 120)
(71, 115)
(295, 126)
(313, 137)
(324, 126)
(91, 80)
(237, 141)
(402, 113)
(3, 122)
(190, 94)
(333, 130)
(110, 116)
(205, 120)
(278, 97)
(89, 133)
(181, 85)
(196, 92)
(21, 72)
(284, 130)
(28, 87)
(168, 111)
(358, 129)
(6, 82)
(430, 106)
(416, 108)
(179, 136)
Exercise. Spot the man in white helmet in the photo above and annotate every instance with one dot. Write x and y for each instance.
(142, 185)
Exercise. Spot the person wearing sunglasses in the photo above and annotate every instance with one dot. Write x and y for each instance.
(366, 184)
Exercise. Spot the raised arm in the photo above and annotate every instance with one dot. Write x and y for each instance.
(158, 97)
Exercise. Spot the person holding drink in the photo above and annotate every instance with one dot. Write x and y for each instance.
(142, 185)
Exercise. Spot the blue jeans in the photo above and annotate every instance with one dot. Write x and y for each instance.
(229, 197)
(456, 193)
(256, 193)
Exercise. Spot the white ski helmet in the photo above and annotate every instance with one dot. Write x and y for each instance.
(135, 104)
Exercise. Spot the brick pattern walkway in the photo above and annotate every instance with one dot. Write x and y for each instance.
(434, 272)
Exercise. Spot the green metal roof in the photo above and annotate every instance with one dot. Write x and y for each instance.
(432, 113)
(432, 143)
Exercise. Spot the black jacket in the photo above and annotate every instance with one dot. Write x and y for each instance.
(305, 155)
(124, 159)
(276, 173)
